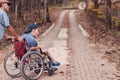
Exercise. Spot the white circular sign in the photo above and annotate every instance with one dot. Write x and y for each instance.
(82, 5)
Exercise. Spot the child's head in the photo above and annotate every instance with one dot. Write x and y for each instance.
(33, 29)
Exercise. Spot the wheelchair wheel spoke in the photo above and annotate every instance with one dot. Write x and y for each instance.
(33, 68)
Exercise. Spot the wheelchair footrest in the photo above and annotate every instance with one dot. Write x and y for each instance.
(50, 72)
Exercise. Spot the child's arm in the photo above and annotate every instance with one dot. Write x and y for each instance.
(34, 48)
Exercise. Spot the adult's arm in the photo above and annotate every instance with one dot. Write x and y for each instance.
(12, 31)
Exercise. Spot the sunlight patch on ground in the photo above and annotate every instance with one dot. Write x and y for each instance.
(63, 33)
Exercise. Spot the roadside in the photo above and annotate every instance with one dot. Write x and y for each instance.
(101, 36)
(87, 62)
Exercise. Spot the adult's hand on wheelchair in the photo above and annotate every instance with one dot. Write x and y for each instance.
(12, 39)
(20, 38)
(9, 40)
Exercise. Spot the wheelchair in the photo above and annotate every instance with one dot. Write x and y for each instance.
(33, 64)
(30, 67)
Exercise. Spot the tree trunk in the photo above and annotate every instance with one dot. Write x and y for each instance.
(16, 9)
(30, 5)
(96, 4)
(86, 1)
(20, 9)
(26, 4)
(48, 16)
(45, 11)
(16, 13)
(108, 15)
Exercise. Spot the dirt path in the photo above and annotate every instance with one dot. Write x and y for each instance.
(79, 59)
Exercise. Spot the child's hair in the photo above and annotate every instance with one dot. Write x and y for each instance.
(31, 27)
(29, 31)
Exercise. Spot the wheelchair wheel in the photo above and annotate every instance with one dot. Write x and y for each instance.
(32, 65)
(12, 65)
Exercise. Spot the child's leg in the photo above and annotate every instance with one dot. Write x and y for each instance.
(55, 63)
(51, 57)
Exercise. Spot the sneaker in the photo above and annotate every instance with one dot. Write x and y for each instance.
(52, 65)
(57, 64)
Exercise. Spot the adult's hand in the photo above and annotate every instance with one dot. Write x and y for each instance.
(20, 38)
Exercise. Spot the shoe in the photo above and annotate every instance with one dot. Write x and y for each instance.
(57, 64)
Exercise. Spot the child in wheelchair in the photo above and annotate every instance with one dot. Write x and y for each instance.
(27, 59)
(30, 35)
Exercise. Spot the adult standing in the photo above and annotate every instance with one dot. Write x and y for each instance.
(4, 21)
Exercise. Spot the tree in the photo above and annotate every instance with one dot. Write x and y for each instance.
(97, 3)
(108, 15)
(86, 1)
(46, 15)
